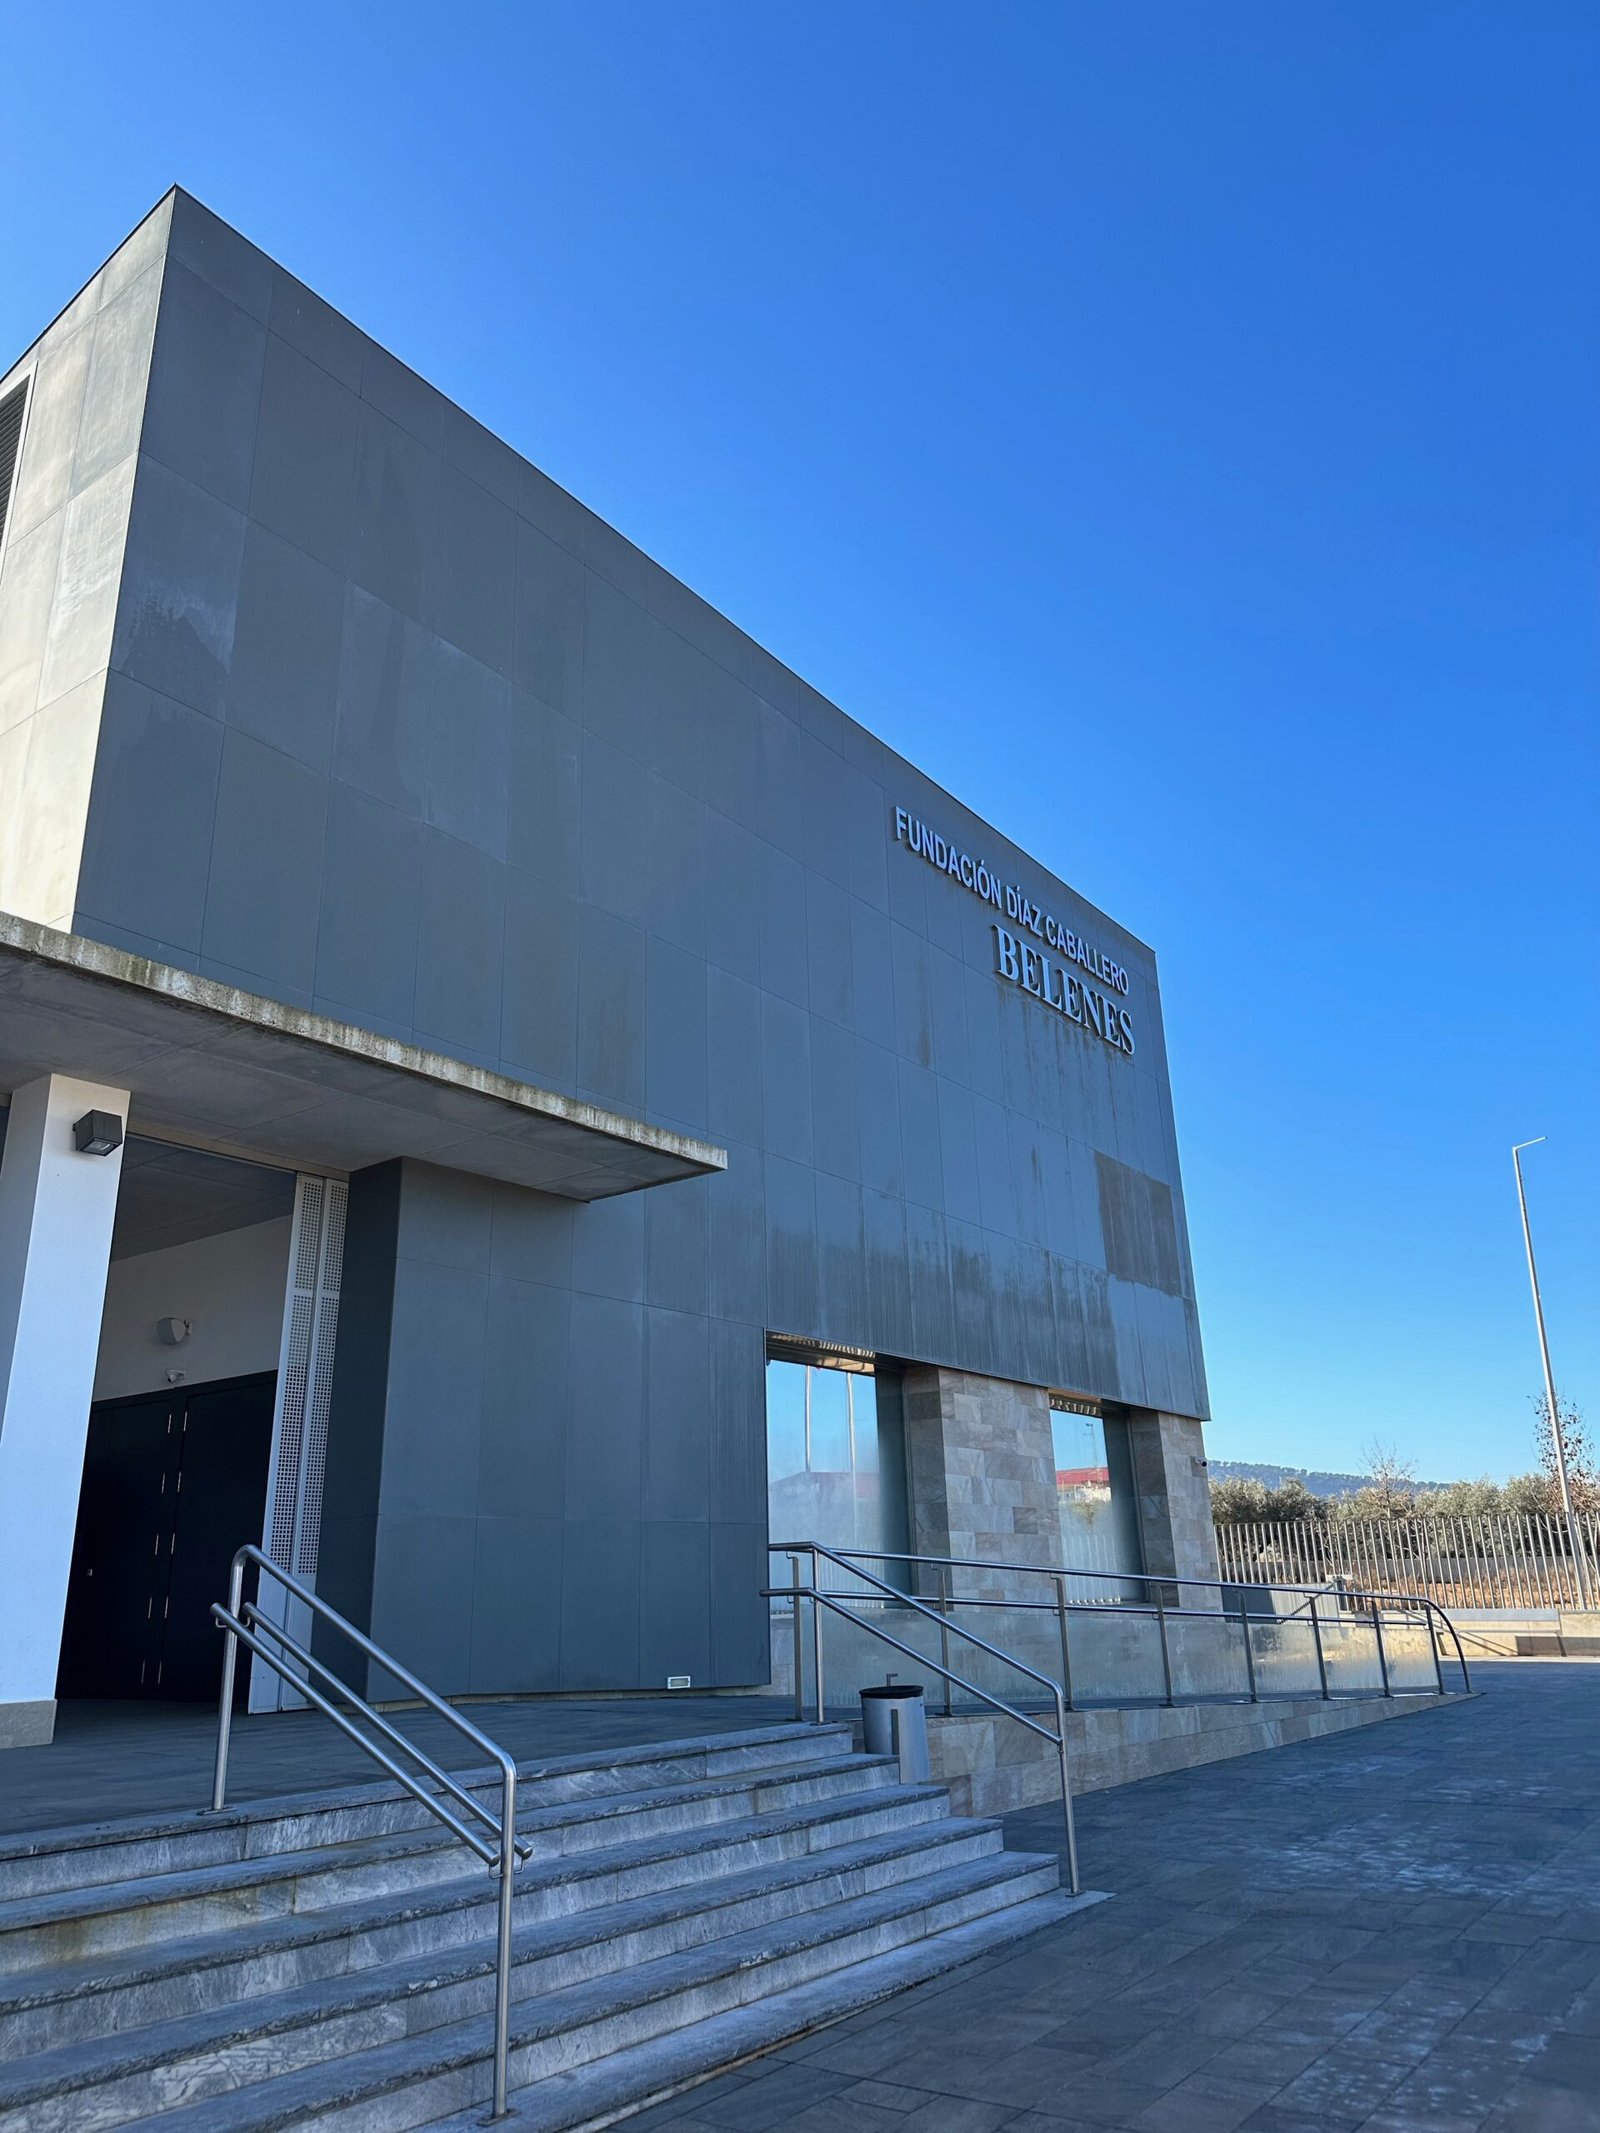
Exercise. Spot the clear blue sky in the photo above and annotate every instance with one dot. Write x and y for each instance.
(1175, 426)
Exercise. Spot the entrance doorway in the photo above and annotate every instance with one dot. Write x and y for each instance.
(172, 1483)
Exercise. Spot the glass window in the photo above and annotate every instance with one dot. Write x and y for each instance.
(1095, 1499)
(835, 1468)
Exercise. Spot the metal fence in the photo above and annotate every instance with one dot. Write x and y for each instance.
(1148, 1638)
(1492, 1562)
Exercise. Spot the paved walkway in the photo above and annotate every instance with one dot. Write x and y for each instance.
(1396, 1929)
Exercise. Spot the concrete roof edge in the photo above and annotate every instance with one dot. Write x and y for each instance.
(22, 937)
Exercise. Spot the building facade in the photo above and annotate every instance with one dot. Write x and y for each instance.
(584, 1103)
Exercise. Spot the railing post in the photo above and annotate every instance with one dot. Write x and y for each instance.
(1066, 1794)
(1383, 1657)
(816, 1645)
(799, 1645)
(1433, 1640)
(1066, 1648)
(1316, 1633)
(1249, 1653)
(1166, 1650)
(230, 1662)
(944, 1635)
(502, 1982)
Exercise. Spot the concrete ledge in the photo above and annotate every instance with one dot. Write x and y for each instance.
(28, 1725)
(993, 1766)
(1528, 1633)
(208, 1063)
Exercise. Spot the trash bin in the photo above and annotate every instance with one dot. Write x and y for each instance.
(894, 1721)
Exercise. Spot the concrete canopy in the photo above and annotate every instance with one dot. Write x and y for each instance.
(207, 1063)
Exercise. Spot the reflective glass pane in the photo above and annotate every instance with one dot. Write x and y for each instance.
(786, 1422)
(824, 1462)
(1099, 1529)
(827, 1391)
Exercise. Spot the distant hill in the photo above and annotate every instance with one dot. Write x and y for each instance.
(1313, 1478)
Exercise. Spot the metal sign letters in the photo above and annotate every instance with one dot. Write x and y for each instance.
(1045, 975)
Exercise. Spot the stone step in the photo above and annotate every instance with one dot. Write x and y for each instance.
(328, 1959)
(115, 2078)
(71, 1924)
(41, 1862)
(614, 2087)
(386, 2079)
(798, 1858)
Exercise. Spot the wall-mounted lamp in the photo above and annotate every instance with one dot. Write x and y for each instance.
(97, 1133)
(172, 1332)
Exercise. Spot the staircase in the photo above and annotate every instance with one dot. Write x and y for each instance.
(330, 1960)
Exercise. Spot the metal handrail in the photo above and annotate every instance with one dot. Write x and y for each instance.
(1152, 1608)
(849, 1556)
(838, 1605)
(851, 1559)
(1330, 1589)
(243, 1622)
(1408, 1600)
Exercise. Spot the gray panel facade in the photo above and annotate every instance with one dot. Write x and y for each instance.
(395, 729)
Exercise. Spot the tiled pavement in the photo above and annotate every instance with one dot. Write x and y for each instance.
(1396, 1929)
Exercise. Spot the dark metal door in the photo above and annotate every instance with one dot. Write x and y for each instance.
(122, 1555)
(171, 1485)
(222, 1500)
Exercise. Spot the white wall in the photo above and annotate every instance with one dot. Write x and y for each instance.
(57, 1209)
(230, 1287)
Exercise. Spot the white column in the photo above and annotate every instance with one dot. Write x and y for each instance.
(56, 1211)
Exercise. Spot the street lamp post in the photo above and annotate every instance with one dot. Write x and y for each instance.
(1580, 1565)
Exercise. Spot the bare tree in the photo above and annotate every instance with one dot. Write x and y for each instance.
(1583, 1483)
(1391, 1492)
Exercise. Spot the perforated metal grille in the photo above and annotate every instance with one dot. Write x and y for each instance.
(291, 1427)
(786, 1348)
(320, 1391)
(12, 408)
(308, 1233)
(305, 1388)
(333, 1254)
